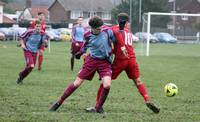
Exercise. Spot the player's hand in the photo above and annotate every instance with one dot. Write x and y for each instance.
(78, 55)
(125, 53)
(23, 46)
(85, 55)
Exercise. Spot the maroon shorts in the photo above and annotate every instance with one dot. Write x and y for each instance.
(30, 58)
(76, 46)
(91, 65)
(130, 66)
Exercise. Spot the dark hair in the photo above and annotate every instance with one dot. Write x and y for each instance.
(122, 17)
(39, 13)
(95, 22)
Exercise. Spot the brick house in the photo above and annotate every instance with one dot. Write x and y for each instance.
(69, 10)
(31, 13)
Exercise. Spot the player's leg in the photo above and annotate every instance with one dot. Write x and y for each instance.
(40, 57)
(143, 91)
(72, 62)
(104, 70)
(133, 73)
(67, 92)
(87, 72)
(30, 58)
(104, 93)
(101, 96)
(75, 47)
(117, 68)
(99, 92)
(72, 56)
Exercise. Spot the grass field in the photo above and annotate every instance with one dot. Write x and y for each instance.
(177, 63)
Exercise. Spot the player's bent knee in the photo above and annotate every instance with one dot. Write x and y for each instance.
(137, 81)
(41, 52)
(32, 66)
(78, 82)
(106, 80)
(106, 85)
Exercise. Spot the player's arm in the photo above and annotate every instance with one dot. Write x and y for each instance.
(120, 40)
(23, 38)
(44, 40)
(123, 48)
(22, 44)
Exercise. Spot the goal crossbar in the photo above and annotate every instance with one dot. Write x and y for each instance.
(149, 14)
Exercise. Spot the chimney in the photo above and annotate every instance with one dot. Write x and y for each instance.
(28, 3)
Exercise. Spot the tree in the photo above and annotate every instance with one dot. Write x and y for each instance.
(6, 1)
(147, 6)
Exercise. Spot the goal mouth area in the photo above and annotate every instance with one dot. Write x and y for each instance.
(184, 17)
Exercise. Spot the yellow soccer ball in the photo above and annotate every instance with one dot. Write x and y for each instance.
(171, 90)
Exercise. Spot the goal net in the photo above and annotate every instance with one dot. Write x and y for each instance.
(168, 28)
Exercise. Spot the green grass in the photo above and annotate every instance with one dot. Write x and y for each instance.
(29, 102)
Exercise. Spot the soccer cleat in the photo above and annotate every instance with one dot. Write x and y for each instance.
(94, 110)
(19, 80)
(153, 107)
(55, 106)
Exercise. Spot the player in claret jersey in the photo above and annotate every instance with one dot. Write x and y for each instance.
(125, 60)
(77, 39)
(30, 42)
(99, 60)
(41, 18)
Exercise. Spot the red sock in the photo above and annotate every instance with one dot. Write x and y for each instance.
(99, 93)
(142, 89)
(68, 91)
(102, 98)
(40, 60)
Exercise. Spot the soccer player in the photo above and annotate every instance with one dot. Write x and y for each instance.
(41, 18)
(125, 60)
(99, 59)
(77, 39)
(30, 42)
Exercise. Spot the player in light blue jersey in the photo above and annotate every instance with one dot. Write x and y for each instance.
(99, 60)
(77, 39)
(30, 42)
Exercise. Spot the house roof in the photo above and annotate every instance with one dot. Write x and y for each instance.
(85, 5)
(15, 6)
(8, 20)
(35, 9)
(2, 3)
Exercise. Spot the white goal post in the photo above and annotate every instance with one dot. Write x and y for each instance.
(149, 14)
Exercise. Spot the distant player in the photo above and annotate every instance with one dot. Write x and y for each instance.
(41, 18)
(77, 39)
(30, 42)
(99, 60)
(125, 60)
